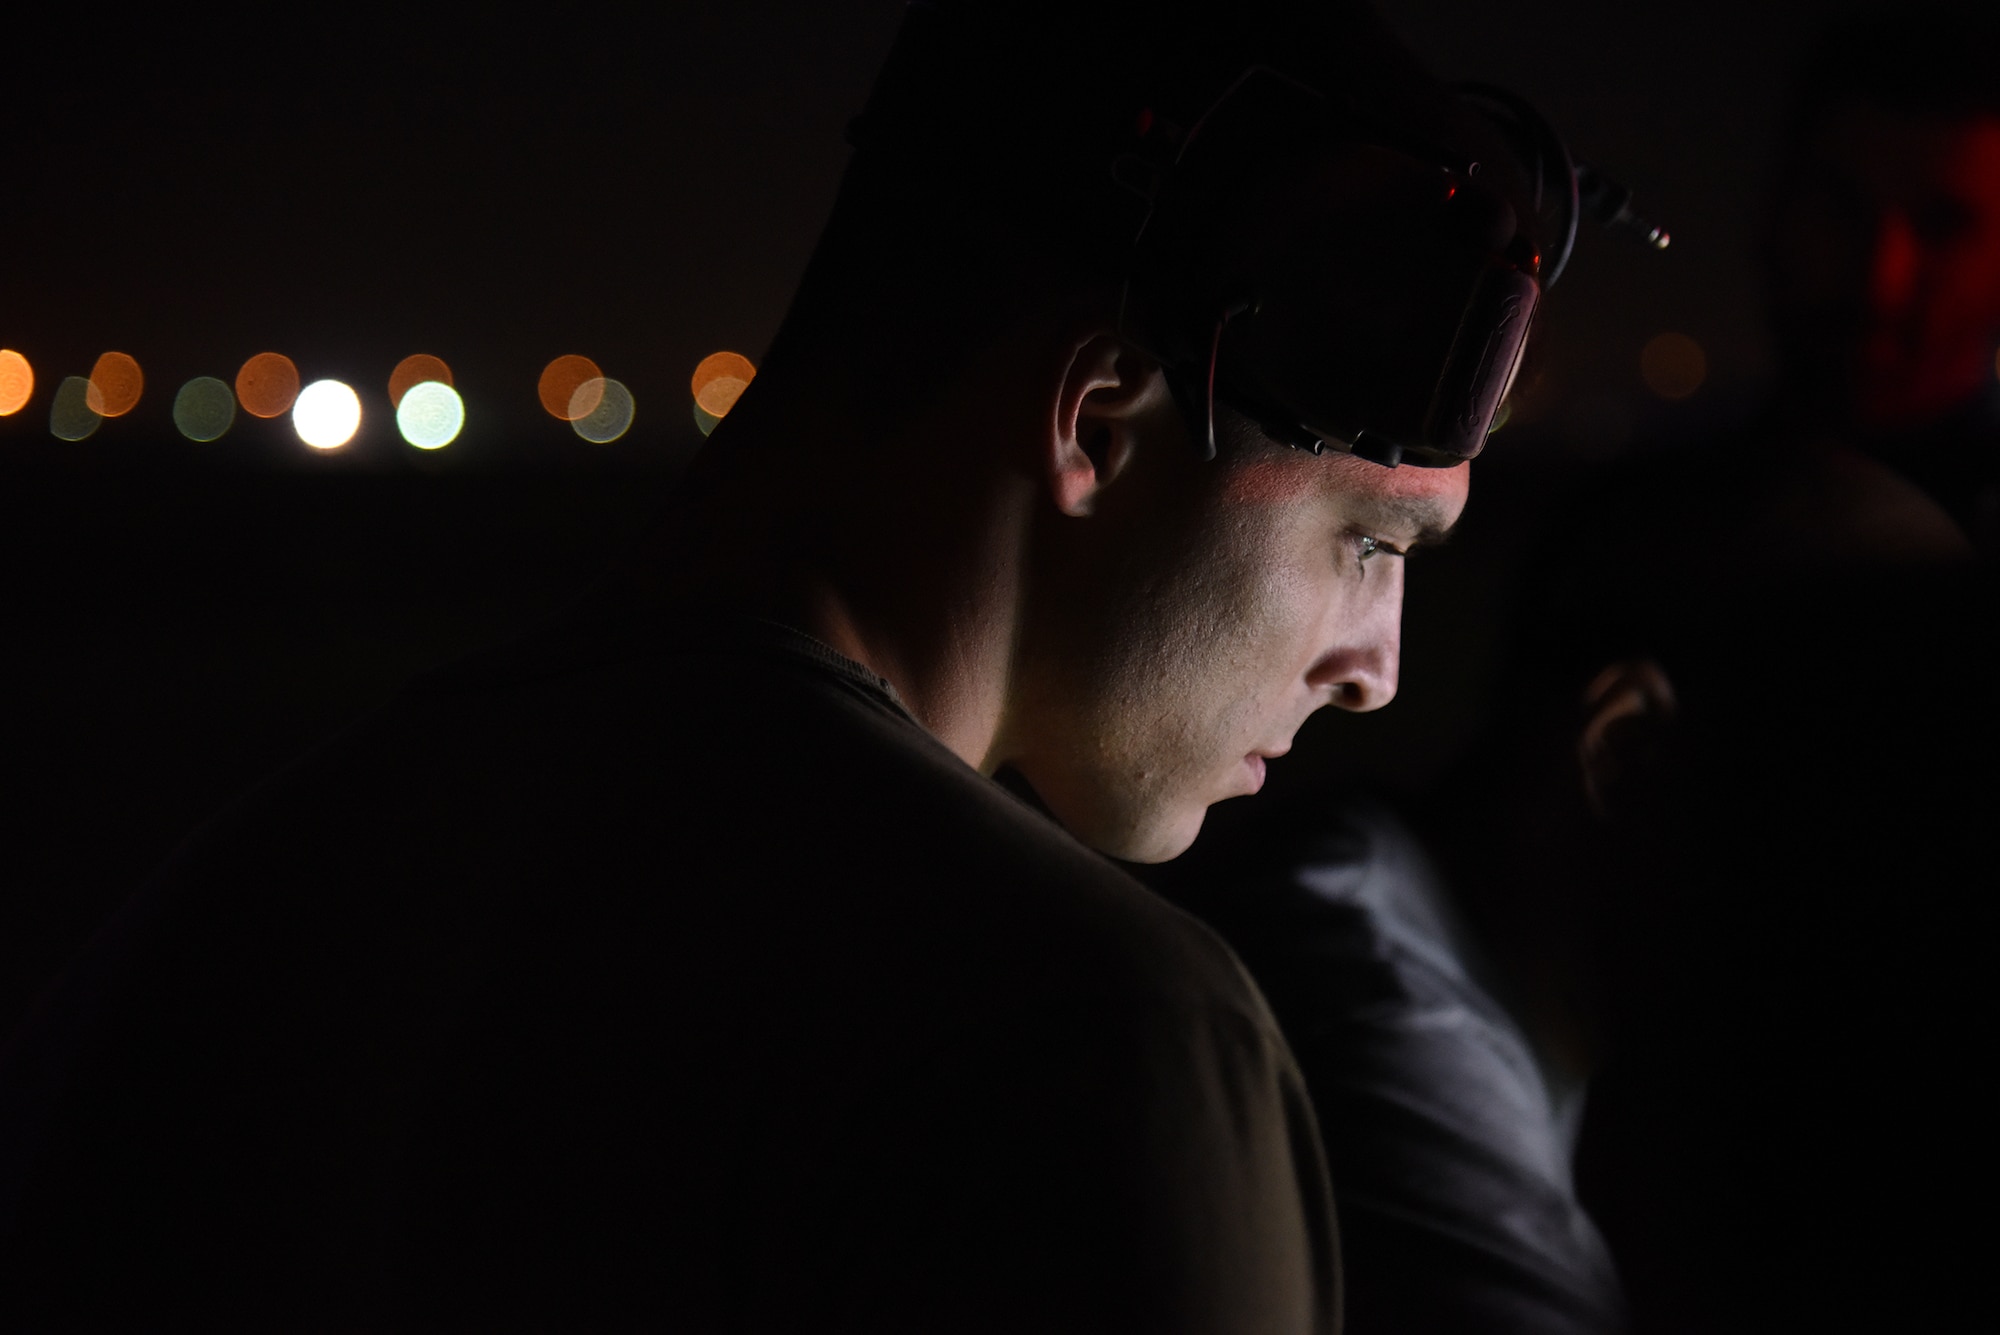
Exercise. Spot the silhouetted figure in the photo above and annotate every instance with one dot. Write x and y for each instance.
(1788, 751)
(1448, 1142)
(1723, 832)
(1884, 254)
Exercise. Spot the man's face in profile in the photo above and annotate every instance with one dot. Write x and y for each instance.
(1235, 597)
(1887, 262)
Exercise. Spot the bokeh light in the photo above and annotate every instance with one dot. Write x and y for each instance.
(70, 415)
(115, 385)
(267, 385)
(204, 409)
(704, 422)
(326, 414)
(610, 414)
(562, 378)
(17, 382)
(719, 380)
(1673, 365)
(430, 415)
(413, 371)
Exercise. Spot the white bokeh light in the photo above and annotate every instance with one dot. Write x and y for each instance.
(431, 415)
(326, 414)
(205, 408)
(603, 410)
(70, 415)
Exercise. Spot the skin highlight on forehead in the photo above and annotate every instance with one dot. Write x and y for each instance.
(1416, 506)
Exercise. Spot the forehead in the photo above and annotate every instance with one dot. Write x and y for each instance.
(1413, 504)
(1901, 156)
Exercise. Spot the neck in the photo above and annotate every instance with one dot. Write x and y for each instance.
(904, 553)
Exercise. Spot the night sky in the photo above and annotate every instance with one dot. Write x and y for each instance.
(642, 186)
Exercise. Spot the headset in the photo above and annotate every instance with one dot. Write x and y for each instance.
(1344, 282)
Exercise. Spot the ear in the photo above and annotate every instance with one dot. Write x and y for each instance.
(1630, 709)
(1109, 399)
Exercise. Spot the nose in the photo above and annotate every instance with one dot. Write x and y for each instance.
(1360, 676)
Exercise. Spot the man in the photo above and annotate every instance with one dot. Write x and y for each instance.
(1723, 851)
(1448, 1141)
(1777, 644)
(1884, 259)
(682, 967)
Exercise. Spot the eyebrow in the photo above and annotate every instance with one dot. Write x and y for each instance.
(1422, 518)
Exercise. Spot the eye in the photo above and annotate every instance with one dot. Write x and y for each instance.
(1366, 546)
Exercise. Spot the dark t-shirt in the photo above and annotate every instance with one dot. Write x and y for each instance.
(662, 973)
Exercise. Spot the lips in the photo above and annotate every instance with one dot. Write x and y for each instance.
(1254, 763)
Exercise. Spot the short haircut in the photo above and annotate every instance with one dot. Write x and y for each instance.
(982, 181)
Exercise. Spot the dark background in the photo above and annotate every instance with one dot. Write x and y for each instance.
(642, 186)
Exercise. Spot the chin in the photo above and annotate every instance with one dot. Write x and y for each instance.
(1132, 826)
(1161, 838)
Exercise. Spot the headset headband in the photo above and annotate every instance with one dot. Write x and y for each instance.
(1341, 282)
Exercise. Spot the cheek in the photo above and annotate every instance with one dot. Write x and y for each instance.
(1284, 615)
(1241, 635)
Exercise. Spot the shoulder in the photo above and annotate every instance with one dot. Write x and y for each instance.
(686, 779)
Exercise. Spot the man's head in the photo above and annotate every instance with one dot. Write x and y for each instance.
(1014, 152)
(1885, 254)
(1013, 438)
(1183, 616)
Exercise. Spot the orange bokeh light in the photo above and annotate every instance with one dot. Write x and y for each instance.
(115, 385)
(17, 382)
(720, 380)
(267, 385)
(413, 371)
(561, 379)
(1673, 365)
